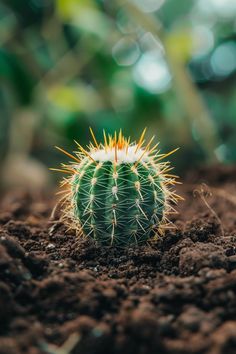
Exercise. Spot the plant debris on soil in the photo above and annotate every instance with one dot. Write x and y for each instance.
(62, 295)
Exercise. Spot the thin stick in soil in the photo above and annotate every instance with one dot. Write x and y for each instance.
(204, 192)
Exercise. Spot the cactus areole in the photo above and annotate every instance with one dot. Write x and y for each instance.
(118, 193)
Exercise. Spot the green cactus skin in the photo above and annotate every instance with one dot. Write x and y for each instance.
(118, 204)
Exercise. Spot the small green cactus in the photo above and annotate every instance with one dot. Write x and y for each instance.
(118, 193)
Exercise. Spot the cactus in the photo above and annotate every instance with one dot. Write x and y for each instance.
(118, 193)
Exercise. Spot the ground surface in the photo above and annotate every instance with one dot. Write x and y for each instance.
(175, 296)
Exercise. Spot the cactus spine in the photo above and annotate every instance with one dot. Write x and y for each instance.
(118, 193)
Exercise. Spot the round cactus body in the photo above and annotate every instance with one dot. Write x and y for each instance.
(118, 193)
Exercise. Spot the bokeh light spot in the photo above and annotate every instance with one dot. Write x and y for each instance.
(149, 42)
(149, 5)
(223, 59)
(125, 23)
(221, 152)
(203, 40)
(224, 9)
(152, 73)
(126, 51)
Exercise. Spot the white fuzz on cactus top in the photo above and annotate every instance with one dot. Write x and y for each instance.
(130, 154)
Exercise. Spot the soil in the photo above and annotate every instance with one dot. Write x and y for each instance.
(62, 295)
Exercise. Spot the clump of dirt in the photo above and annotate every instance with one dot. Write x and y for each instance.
(176, 295)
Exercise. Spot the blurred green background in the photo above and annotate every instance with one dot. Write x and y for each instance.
(66, 65)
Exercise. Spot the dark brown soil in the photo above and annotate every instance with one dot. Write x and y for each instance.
(178, 295)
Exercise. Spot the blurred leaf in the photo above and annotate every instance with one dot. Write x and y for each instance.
(173, 10)
(181, 43)
(8, 23)
(67, 7)
(122, 91)
(29, 12)
(13, 71)
(80, 97)
(86, 16)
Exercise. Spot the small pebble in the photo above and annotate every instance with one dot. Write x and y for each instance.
(50, 246)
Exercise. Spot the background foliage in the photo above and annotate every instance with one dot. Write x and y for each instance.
(66, 65)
